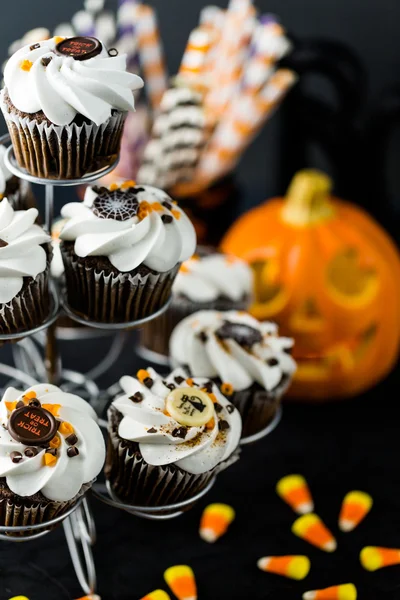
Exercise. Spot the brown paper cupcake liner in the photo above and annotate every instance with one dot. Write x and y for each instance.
(155, 335)
(138, 483)
(114, 298)
(68, 152)
(31, 306)
(16, 511)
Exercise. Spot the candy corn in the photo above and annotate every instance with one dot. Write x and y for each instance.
(292, 567)
(19, 598)
(294, 490)
(373, 558)
(347, 591)
(157, 595)
(356, 505)
(182, 582)
(215, 521)
(311, 529)
(91, 597)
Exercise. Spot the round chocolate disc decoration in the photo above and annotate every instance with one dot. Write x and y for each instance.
(243, 334)
(32, 425)
(119, 205)
(80, 48)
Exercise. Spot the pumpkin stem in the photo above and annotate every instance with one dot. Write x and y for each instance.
(307, 200)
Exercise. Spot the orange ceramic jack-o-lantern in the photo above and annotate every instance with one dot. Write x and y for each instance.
(330, 277)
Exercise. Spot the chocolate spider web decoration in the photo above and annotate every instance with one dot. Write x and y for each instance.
(117, 205)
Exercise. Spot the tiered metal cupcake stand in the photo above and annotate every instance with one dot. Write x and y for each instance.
(31, 367)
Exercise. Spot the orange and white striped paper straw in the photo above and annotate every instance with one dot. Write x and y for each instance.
(194, 59)
(240, 124)
(150, 53)
(236, 32)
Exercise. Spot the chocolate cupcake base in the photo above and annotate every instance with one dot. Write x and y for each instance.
(98, 292)
(135, 482)
(155, 336)
(31, 306)
(69, 152)
(18, 511)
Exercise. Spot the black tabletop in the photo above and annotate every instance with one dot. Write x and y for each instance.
(338, 447)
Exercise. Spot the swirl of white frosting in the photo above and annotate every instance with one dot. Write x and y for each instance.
(127, 244)
(195, 344)
(206, 278)
(21, 254)
(64, 480)
(200, 451)
(66, 87)
(5, 174)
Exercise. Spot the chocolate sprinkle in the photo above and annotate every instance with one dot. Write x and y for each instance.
(113, 52)
(230, 408)
(166, 219)
(243, 334)
(34, 46)
(179, 379)
(272, 362)
(35, 402)
(139, 189)
(3, 243)
(138, 397)
(167, 205)
(52, 451)
(72, 439)
(16, 457)
(152, 430)
(223, 425)
(30, 452)
(46, 60)
(170, 386)
(179, 432)
(202, 336)
(148, 382)
(217, 407)
(208, 387)
(20, 404)
(73, 451)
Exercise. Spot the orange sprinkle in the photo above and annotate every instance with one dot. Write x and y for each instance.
(59, 39)
(55, 442)
(11, 405)
(210, 424)
(113, 187)
(156, 206)
(184, 269)
(213, 397)
(66, 428)
(227, 389)
(142, 214)
(174, 202)
(195, 257)
(128, 184)
(142, 374)
(30, 395)
(49, 460)
(52, 408)
(176, 214)
(190, 382)
(26, 65)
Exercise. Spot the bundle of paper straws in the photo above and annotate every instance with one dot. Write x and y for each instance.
(228, 85)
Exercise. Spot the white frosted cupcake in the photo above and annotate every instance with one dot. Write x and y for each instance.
(246, 358)
(25, 255)
(17, 191)
(65, 102)
(168, 437)
(122, 248)
(208, 280)
(51, 450)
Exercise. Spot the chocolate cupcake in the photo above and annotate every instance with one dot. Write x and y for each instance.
(208, 280)
(65, 103)
(17, 191)
(122, 248)
(247, 359)
(25, 255)
(168, 437)
(51, 450)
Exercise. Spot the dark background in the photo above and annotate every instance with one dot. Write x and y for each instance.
(338, 447)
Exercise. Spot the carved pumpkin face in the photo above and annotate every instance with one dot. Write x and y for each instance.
(330, 277)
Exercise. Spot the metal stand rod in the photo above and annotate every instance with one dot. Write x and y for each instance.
(49, 207)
